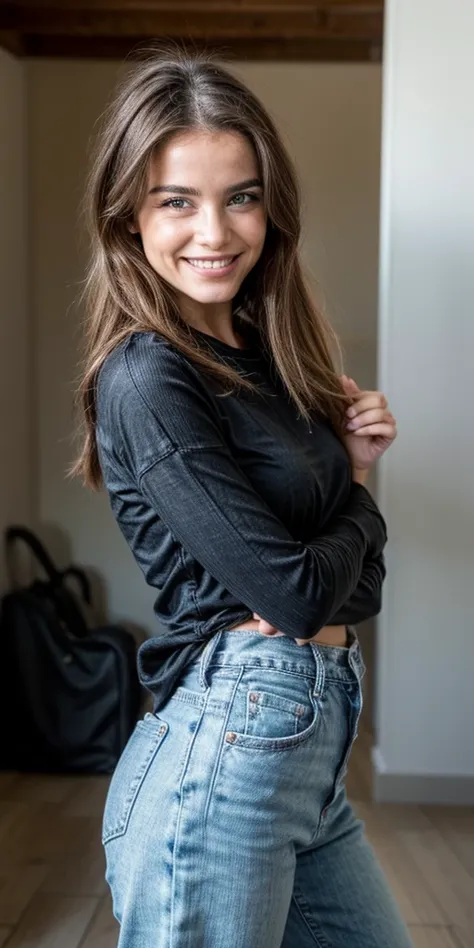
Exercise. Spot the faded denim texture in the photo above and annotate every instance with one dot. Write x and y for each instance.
(227, 823)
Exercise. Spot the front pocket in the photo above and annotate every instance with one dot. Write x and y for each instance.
(130, 773)
(273, 716)
(272, 722)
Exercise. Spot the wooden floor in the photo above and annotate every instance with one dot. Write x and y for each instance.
(53, 895)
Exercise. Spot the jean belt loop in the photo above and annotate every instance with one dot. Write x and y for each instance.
(320, 671)
(355, 656)
(206, 659)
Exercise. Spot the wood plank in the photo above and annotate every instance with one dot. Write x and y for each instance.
(44, 788)
(18, 884)
(456, 825)
(451, 885)
(9, 780)
(53, 921)
(465, 938)
(104, 930)
(84, 874)
(431, 937)
(4, 934)
(88, 798)
(418, 904)
(39, 834)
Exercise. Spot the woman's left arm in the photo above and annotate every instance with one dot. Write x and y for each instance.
(371, 429)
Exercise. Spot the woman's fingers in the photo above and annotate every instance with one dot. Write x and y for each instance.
(371, 417)
(384, 430)
(264, 627)
(365, 401)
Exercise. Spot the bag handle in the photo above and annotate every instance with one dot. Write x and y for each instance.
(22, 533)
(82, 580)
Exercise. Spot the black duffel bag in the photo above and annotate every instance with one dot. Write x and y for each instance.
(69, 694)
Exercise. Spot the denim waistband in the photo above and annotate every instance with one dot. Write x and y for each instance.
(250, 648)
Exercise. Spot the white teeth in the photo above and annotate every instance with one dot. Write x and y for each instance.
(211, 264)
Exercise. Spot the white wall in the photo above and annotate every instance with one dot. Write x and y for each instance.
(330, 116)
(425, 707)
(16, 475)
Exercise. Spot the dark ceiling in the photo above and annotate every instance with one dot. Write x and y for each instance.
(330, 30)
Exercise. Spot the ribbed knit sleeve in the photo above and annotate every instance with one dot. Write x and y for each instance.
(171, 438)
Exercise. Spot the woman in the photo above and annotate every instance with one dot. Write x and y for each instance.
(234, 458)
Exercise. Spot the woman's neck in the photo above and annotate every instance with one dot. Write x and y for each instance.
(213, 320)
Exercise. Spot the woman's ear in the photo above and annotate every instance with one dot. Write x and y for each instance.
(132, 227)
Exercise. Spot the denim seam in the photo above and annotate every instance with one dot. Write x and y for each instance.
(179, 819)
(212, 782)
(120, 827)
(317, 934)
(188, 697)
(198, 701)
(320, 682)
(264, 664)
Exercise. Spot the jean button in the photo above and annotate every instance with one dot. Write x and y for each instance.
(231, 737)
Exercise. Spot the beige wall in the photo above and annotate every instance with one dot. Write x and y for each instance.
(425, 705)
(330, 116)
(16, 475)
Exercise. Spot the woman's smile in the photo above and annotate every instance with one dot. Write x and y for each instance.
(203, 222)
(212, 267)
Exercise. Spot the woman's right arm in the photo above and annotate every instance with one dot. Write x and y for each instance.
(164, 424)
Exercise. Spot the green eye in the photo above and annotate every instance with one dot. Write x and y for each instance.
(177, 203)
(240, 200)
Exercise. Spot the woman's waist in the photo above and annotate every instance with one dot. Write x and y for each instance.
(335, 635)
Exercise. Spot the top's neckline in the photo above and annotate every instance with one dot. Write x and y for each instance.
(251, 350)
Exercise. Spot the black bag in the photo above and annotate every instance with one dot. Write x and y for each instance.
(69, 694)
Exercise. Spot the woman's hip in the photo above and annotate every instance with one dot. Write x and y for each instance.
(257, 730)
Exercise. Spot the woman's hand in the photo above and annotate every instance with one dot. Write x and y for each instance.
(371, 427)
(371, 430)
(265, 628)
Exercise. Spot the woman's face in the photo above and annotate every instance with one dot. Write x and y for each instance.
(202, 222)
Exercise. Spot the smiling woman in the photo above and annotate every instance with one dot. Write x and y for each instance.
(207, 236)
(214, 416)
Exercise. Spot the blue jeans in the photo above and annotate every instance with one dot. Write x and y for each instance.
(227, 823)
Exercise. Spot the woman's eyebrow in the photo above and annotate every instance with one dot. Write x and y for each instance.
(193, 192)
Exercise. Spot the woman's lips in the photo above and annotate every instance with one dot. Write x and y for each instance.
(212, 267)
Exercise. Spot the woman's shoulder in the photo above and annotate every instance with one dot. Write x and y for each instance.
(142, 358)
(147, 369)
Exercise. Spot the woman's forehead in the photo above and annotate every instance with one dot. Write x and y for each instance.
(199, 156)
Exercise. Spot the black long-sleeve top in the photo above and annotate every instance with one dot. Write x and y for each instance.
(231, 505)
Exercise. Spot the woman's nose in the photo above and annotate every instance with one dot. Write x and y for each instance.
(213, 229)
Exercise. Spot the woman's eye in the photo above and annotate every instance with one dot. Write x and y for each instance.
(177, 203)
(239, 200)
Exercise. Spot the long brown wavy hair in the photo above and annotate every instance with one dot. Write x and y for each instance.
(166, 92)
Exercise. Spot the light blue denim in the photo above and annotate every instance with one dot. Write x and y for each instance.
(227, 823)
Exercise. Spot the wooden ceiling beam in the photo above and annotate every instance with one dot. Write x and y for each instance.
(272, 50)
(257, 29)
(153, 6)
